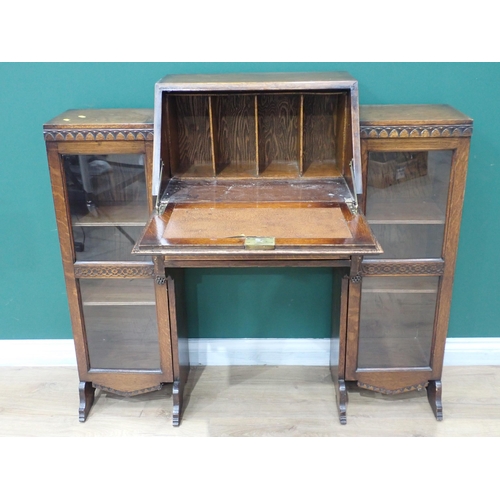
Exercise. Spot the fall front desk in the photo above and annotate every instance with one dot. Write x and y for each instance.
(259, 170)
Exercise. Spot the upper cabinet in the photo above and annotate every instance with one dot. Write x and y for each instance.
(257, 125)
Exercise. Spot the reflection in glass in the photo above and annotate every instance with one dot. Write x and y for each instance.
(115, 243)
(406, 201)
(120, 323)
(397, 321)
(108, 204)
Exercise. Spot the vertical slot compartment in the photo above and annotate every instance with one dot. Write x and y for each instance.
(190, 136)
(279, 135)
(234, 134)
(322, 139)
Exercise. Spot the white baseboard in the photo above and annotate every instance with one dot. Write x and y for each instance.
(220, 352)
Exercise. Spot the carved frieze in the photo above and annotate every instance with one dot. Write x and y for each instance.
(128, 393)
(392, 268)
(100, 134)
(113, 271)
(393, 132)
(401, 390)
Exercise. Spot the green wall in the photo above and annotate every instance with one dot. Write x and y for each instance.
(259, 303)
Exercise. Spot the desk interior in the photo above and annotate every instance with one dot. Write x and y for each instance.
(212, 214)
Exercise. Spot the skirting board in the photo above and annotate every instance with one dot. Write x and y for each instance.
(219, 352)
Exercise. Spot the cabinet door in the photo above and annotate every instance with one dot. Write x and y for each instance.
(397, 322)
(407, 195)
(391, 332)
(120, 324)
(108, 204)
(119, 311)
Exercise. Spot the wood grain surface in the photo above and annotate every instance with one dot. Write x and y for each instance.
(230, 222)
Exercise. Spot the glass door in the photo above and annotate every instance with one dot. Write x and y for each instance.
(407, 194)
(108, 204)
(406, 207)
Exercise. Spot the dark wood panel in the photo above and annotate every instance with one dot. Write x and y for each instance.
(234, 132)
(193, 136)
(320, 121)
(278, 130)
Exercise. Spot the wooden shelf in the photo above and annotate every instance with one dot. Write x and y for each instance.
(117, 292)
(281, 169)
(412, 212)
(400, 284)
(236, 170)
(114, 215)
(322, 169)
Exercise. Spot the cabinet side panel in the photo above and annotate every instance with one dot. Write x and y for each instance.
(63, 218)
(450, 247)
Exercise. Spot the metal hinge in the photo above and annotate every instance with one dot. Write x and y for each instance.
(353, 203)
(158, 194)
(356, 278)
(161, 208)
(160, 279)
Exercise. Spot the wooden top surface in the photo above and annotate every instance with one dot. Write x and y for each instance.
(205, 231)
(369, 115)
(257, 81)
(411, 114)
(215, 223)
(107, 118)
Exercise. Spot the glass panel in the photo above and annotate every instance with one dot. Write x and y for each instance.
(409, 241)
(406, 201)
(93, 243)
(108, 204)
(120, 322)
(397, 321)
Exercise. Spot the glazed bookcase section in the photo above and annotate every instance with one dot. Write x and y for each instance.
(108, 204)
(120, 324)
(397, 322)
(407, 194)
(269, 135)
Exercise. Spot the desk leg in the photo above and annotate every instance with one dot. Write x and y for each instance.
(342, 398)
(338, 341)
(434, 393)
(179, 335)
(87, 392)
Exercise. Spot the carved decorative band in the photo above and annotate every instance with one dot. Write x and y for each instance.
(99, 135)
(103, 271)
(126, 393)
(413, 268)
(381, 390)
(390, 132)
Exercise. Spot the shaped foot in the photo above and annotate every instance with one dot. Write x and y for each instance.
(87, 392)
(434, 393)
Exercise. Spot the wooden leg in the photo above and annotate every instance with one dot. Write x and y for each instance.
(338, 341)
(434, 393)
(177, 394)
(87, 392)
(180, 342)
(341, 396)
